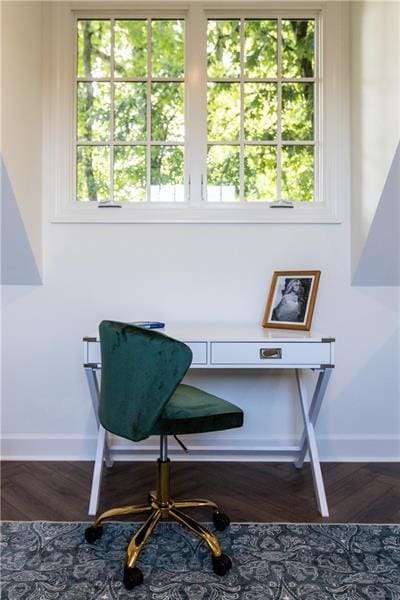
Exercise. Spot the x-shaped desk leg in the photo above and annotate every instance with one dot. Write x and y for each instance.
(102, 451)
(308, 441)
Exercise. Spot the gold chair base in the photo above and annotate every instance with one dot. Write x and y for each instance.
(160, 507)
(160, 511)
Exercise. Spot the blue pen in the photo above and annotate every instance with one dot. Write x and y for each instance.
(149, 324)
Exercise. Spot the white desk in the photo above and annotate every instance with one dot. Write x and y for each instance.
(238, 347)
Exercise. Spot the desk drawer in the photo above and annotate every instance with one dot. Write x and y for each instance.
(199, 350)
(270, 353)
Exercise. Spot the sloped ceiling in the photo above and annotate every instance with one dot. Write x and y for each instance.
(379, 263)
(18, 265)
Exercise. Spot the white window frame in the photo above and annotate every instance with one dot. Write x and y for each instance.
(279, 80)
(332, 130)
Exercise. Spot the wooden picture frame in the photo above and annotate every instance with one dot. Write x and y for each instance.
(291, 299)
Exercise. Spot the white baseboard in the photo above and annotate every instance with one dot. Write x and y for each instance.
(46, 447)
(339, 448)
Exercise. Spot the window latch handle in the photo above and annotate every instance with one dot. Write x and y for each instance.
(281, 204)
(109, 205)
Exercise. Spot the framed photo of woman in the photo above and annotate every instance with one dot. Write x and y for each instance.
(291, 299)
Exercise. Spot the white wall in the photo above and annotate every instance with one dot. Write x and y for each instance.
(203, 273)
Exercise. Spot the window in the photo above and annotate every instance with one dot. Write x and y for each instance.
(261, 110)
(130, 110)
(197, 115)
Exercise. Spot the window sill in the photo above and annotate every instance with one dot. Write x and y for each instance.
(185, 213)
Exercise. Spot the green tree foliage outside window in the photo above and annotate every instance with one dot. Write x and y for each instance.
(130, 128)
(130, 107)
(263, 106)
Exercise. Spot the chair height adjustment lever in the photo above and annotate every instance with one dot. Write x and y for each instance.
(182, 445)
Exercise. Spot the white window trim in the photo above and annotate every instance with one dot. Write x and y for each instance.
(333, 127)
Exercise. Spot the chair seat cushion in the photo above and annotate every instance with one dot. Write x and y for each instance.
(191, 410)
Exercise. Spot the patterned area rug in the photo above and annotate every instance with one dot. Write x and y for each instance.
(51, 561)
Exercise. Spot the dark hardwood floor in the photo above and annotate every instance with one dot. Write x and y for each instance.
(261, 492)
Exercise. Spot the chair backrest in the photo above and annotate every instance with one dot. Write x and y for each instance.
(140, 371)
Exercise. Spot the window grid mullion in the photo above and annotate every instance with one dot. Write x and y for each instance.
(148, 112)
(75, 109)
(279, 115)
(262, 79)
(112, 112)
(210, 143)
(261, 143)
(317, 100)
(129, 79)
(241, 131)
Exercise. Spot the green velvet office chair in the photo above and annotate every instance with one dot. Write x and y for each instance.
(142, 395)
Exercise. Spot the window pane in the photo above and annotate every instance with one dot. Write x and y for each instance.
(130, 173)
(167, 174)
(260, 173)
(93, 118)
(223, 179)
(130, 111)
(223, 111)
(297, 111)
(130, 48)
(260, 48)
(93, 173)
(223, 48)
(298, 173)
(167, 45)
(167, 114)
(260, 111)
(298, 48)
(94, 48)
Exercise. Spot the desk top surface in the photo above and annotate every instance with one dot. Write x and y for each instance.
(234, 332)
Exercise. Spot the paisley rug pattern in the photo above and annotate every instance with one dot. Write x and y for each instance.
(52, 561)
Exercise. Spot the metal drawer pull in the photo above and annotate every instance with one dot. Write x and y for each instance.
(270, 352)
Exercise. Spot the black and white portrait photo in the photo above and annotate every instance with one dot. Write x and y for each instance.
(291, 299)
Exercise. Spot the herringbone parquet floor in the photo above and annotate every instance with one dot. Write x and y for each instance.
(261, 492)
